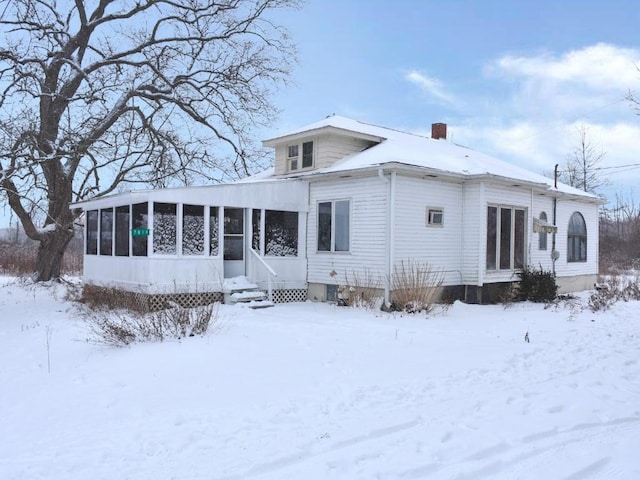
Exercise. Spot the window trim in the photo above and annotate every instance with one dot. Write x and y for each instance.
(431, 212)
(332, 241)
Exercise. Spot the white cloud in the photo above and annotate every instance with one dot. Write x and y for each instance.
(431, 86)
(601, 66)
(588, 83)
(539, 101)
(529, 112)
(538, 147)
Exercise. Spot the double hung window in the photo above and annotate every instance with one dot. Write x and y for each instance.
(333, 226)
(294, 161)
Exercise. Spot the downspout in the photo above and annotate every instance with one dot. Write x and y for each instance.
(392, 223)
(554, 253)
(530, 232)
(387, 243)
(482, 240)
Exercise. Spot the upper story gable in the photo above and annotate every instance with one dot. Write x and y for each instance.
(321, 144)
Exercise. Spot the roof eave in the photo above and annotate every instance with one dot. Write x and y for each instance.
(327, 129)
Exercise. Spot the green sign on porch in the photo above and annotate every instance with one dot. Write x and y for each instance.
(140, 232)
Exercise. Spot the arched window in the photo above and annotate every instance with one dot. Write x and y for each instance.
(577, 239)
(542, 236)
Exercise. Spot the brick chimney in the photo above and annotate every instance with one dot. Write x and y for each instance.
(438, 131)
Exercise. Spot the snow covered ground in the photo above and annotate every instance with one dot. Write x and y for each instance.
(315, 391)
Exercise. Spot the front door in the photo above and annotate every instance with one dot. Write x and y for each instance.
(233, 242)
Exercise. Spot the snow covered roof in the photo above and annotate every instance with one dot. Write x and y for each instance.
(333, 124)
(411, 150)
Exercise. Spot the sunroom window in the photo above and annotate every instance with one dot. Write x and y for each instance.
(281, 233)
(164, 228)
(192, 229)
(122, 231)
(106, 231)
(92, 232)
(139, 220)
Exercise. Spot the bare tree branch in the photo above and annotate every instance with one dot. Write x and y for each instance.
(152, 91)
(582, 166)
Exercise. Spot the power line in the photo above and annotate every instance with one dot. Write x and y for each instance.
(630, 166)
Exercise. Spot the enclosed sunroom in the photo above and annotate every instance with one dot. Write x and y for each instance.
(190, 240)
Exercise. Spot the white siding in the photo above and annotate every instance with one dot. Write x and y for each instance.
(281, 159)
(565, 209)
(154, 274)
(474, 219)
(331, 148)
(327, 149)
(541, 258)
(439, 246)
(503, 195)
(368, 222)
(536, 203)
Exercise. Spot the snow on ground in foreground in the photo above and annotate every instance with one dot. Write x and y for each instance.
(315, 391)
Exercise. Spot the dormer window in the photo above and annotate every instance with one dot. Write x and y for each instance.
(293, 155)
(307, 154)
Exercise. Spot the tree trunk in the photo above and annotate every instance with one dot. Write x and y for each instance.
(50, 253)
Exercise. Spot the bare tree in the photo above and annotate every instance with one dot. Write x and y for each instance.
(98, 95)
(581, 169)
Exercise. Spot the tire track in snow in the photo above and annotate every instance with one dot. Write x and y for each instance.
(522, 459)
(291, 460)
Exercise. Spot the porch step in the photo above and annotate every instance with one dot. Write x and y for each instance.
(248, 296)
(239, 290)
(260, 304)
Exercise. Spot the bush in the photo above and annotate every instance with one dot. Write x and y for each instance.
(120, 328)
(360, 291)
(613, 289)
(415, 287)
(537, 285)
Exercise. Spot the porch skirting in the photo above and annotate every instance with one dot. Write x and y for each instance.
(117, 297)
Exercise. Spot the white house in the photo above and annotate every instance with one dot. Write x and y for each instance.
(346, 199)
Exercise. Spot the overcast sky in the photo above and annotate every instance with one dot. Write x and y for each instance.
(514, 79)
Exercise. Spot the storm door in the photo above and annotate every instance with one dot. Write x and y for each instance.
(233, 242)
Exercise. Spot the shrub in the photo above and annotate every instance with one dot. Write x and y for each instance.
(120, 328)
(360, 291)
(416, 287)
(110, 298)
(613, 289)
(537, 285)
